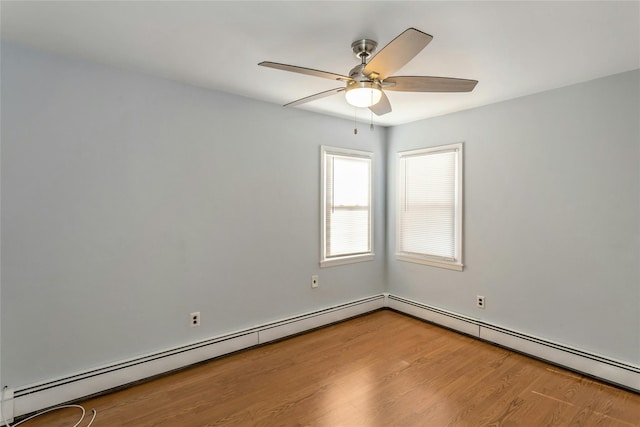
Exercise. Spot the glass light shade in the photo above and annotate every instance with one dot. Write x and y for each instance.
(363, 94)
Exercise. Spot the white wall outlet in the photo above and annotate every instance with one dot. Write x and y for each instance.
(480, 302)
(195, 319)
(314, 281)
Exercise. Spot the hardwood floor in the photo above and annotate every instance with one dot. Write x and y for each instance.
(382, 369)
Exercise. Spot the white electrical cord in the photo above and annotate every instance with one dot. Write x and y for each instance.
(6, 423)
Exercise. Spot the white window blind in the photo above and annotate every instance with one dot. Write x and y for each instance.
(347, 216)
(430, 206)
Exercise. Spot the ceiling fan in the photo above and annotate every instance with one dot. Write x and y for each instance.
(365, 83)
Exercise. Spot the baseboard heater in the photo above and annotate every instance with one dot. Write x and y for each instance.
(25, 400)
(609, 370)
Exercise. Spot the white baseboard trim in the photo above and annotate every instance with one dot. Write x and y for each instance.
(35, 397)
(27, 399)
(606, 369)
(434, 315)
(307, 322)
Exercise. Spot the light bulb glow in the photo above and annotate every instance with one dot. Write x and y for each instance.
(363, 94)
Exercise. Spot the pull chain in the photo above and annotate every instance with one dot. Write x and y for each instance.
(355, 122)
(371, 122)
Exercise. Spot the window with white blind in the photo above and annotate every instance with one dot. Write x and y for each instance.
(347, 218)
(429, 215)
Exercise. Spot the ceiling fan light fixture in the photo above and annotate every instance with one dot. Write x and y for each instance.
(363, 94)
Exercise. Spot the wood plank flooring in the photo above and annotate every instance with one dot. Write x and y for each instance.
(382, 369)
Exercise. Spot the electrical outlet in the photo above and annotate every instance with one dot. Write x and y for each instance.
(195, 319)
(314, 281)
(480, 302)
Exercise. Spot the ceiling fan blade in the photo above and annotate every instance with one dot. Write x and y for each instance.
(429, 84)
(381, 107)
(314, 97)
(307, 71)
(397, 53)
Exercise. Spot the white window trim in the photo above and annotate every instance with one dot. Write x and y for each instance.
(433, 261)
(346, 259)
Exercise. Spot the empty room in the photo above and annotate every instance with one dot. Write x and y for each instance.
(320, 213)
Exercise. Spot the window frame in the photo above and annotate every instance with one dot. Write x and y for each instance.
(421, 258)
(329, 261)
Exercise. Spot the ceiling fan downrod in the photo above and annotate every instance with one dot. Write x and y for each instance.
(362, 49)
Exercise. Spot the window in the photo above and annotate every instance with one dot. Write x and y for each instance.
(429, 219)
(347, 219)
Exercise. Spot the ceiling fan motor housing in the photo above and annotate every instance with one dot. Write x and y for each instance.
(357, 75)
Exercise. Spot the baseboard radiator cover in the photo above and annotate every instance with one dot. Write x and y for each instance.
(616, 372)
(24, 400)
(35, 397)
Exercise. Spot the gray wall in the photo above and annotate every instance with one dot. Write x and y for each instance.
(130, 201)
(552, 215)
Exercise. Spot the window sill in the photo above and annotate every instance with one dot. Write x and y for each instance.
(456, 266)
(331, 262)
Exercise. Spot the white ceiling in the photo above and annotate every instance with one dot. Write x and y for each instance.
(512, 48)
